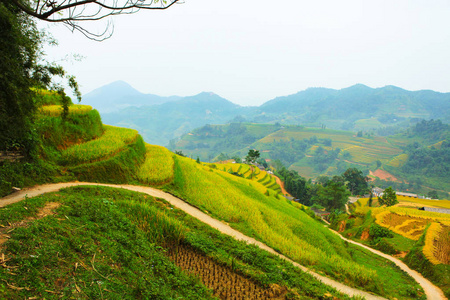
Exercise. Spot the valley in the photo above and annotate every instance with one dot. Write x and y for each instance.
(253, 207)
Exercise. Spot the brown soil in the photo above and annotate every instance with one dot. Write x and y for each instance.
(365, 235)
(342, 226)
(281, 184)
(43, 212)
(383, 175)
(402, 254)
(224, 282)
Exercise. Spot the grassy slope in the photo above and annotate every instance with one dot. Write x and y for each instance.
(243, 204)
(121, 253)
(281, 225)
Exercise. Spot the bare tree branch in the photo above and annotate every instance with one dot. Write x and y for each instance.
(71, 12)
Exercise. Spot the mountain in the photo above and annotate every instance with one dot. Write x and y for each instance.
(159, 124)
(356, 108)
(119, 95)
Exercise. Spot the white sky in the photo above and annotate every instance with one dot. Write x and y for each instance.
(252, 51)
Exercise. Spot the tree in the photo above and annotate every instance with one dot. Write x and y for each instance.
(332, 196)
(356, 181)
(252, 156)
(388, 198)
(433, 195)
(23, 70)
(74, 12)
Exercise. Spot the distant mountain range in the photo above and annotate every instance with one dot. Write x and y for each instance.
(119, 95)
(359, 107)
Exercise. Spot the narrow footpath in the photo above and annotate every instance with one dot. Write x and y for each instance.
(431, 291)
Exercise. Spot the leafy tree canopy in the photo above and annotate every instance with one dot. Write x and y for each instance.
(388, 198)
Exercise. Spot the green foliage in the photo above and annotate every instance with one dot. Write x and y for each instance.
(332, 196)
(19, 45)
(356, 181)
(252, 156)
(22, 174)
(376, 232)
(388, 198)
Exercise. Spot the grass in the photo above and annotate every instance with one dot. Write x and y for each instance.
(121, 251)
(242, 204)
(109, 144)
(89, 249)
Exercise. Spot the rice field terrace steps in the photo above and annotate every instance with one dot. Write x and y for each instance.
(432, 292)
(179, 203)
(113, 141)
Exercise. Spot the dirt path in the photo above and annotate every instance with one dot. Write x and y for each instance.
(431, 291)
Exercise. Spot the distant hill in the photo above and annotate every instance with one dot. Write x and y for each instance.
(417, 157)
(119, 95)
(359, 107)
(159, 124)
(356, 107)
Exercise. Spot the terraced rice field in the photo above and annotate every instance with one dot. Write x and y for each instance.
(242, 203)
(158, 166)
(56, 110)
(437, 244)
(253, 173)
(363, 150)
(110, 143)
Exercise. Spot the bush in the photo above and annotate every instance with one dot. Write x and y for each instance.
(377, 232)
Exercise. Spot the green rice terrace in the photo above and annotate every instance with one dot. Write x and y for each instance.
(99, 242)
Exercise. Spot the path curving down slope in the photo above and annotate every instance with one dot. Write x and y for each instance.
(222, 227)
(431, 291)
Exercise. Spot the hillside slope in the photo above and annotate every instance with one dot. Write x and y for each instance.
(118, 155)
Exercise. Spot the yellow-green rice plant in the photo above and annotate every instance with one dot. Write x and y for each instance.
(56, 110)
(242, 203)
(158, 165)
(429, 249)
(110, 143)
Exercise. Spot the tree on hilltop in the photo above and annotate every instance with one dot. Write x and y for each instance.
(252, 156)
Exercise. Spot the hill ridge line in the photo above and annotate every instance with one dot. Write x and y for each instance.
(195, 212)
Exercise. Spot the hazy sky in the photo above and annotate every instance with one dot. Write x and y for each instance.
(252, 51)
